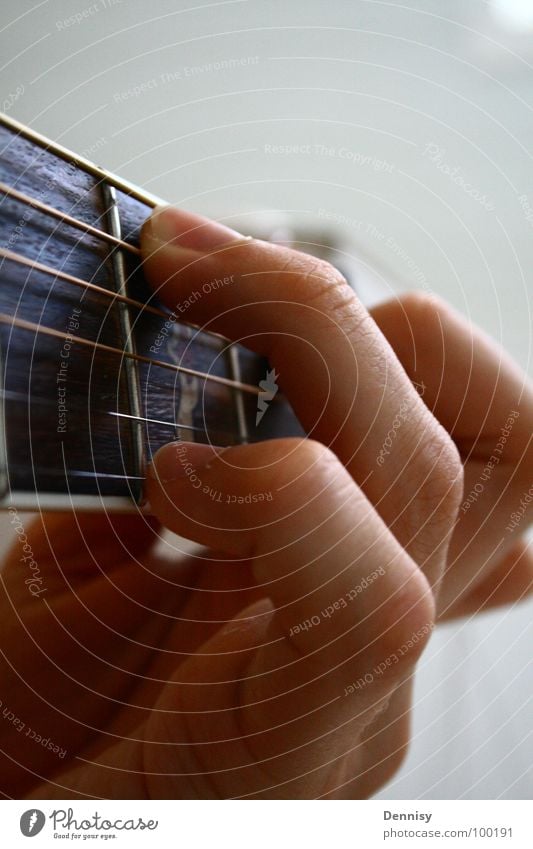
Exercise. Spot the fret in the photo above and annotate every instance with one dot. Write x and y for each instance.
(135, 376)
(202, 409)
(235, 366)
(79, 404)
(209, 409)
(65, 218)
(81, 163)
(91, 380)
(130, 366)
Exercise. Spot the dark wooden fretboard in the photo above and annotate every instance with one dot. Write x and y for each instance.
(91, 385)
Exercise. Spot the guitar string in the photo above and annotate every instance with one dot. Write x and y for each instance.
(211, 432)
(113, 239)
(68, 219)
(12, 256)
(80, 473)
(144, 197)
(83, 164)
(80, 162)
(49, 331)
(130, 190)
(73, 473)
(20, 397)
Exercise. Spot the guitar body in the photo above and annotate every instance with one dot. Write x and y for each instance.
(95, 378)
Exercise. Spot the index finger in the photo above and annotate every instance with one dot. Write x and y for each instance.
(339, 372)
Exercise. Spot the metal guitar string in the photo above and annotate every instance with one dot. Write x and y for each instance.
(10, 191)
(104, 176)
(20, 397)
(117, 244)
(101, 290)
(49, 331)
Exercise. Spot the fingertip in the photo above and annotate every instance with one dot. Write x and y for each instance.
(170, 227)
(177, 461)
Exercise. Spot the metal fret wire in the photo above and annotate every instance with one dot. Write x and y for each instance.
(49, 331)
(106, 177)
(129, 189)
(67, 219)
(83, 163)
(77, 281)
(130, 369)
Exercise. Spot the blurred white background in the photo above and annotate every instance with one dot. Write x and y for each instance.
(413, 122)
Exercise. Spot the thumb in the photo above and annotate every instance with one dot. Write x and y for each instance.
(194, 736)
(350, 606)
(170, 755)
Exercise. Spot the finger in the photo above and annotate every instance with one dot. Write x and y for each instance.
(337, 369)
(80, 620)
(346, 594)
(382, 749)
(470, 383)
(78, 542)
(193, 738)
(116, 772)
(486, 403)
(509, 582)
(159, 761)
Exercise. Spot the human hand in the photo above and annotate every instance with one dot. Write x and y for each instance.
(215, 690)
(486, 403)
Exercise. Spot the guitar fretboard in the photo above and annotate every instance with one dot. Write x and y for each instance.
(96, 374)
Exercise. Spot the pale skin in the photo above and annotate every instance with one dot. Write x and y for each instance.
(163, 675)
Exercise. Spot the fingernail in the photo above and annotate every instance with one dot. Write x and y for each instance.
(179, 461)
(171, 226)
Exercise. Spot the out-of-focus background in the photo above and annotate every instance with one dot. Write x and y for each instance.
(403, 127)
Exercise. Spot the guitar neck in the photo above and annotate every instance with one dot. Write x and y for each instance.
(96, 374)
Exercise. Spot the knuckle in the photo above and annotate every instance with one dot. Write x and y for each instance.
(428, 317)
(391, 638)
(320, 465)
(319, 283)
(443, 486)
(394, 747)
(301, 470)
(425, 308)
(408, 619)
(441, 468)
(435, 482)
(312, 452)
